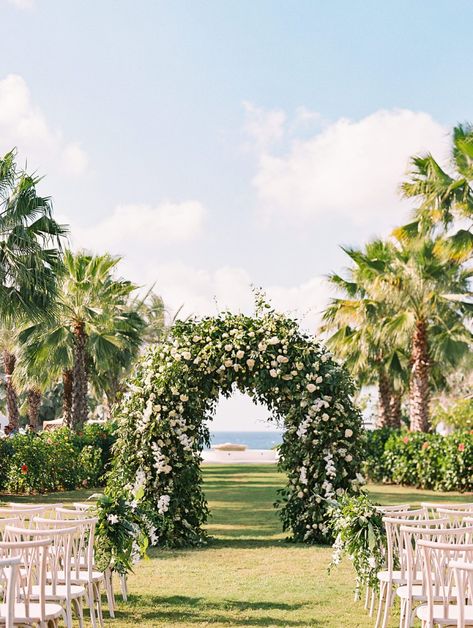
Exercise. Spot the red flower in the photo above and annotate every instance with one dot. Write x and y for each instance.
(405, 439)
(425, 445)
(24, 468)
(461, 447)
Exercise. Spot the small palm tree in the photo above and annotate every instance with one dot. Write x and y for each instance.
(92, 336)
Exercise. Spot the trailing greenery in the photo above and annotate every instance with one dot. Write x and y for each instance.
(428, 461)
(359, 533)
(163, 420)
(54, 461)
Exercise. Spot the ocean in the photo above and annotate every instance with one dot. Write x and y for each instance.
(253, 440)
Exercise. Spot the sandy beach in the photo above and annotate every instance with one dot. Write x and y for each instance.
(250, 456)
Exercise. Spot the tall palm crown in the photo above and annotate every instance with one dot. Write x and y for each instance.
(445, 197)
(29, 244)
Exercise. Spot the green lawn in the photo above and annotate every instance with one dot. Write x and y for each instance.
(248, 575)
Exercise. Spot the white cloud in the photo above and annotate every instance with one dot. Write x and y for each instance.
(262, 126)
(132, 229)
(203, 292)
(24, 125)
(22, 4)
(349, 168)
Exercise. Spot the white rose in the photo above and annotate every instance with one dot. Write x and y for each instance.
(349, 458)
(300, 494)
(348, 433)
(274, 340)
(273, 373)
(319, 380)
(282, 359)
(311, 388)
(186, 355)
(240, 354)
(228, 363)
(250, 363)
(228, 347)
(184, 398)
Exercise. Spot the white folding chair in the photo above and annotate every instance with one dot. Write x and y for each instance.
(439, 583)
(456, 516)
(413, 591)
(32, 572)
(464, 584)
(8, 583)
(390, 577)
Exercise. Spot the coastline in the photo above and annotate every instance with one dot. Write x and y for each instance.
(249, 456)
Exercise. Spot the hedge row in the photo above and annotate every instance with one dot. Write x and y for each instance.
(55, 461)
(428, 461)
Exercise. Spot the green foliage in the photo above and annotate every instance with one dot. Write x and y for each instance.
(427, 461)
(54, 461)
(374, 466)
(359, 534)
(163, 420)
(458, 416)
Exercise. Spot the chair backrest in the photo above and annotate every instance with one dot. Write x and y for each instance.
(431, 530)
(24, 515)
(463, 573)
(83, 505)
(438, 578)
(455, 516)
(8, 584)
(33, 556)
(392, 526)
(83, 549)
(60, 551)
(396, 508)
(433, 506)
(33, 505)
(12, 521)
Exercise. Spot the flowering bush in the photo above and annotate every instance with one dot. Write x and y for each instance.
(374, 465)
(162, 420)
(359, 534)
(429, 461)
(53, 461)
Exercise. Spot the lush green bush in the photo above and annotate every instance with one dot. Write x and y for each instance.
(54, 461)
(428, 461)
(374, 466)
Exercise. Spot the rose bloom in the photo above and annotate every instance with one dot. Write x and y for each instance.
(24, 468)
(405, 440)
(461, 447)
(425, 445)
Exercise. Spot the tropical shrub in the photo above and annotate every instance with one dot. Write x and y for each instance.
(427, 461)
(54, 461)
(374, 466)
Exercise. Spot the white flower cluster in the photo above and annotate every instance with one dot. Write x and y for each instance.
(163, 504)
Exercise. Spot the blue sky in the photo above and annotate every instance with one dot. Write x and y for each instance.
(217, 144)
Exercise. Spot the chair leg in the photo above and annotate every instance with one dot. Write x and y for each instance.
(382, 591)
(99, 603)
(91, 604)
(108, 578)
(388, 604)
(124, 587)
(373, 602)
(367, 598)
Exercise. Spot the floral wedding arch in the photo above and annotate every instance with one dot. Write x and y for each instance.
(163, 421)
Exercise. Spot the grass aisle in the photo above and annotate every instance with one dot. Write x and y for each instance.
(247, 576)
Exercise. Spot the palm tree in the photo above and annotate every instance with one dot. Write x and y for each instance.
(93, 334)
(444, 198)
(360, 338)
(431, 298)
(8, 343)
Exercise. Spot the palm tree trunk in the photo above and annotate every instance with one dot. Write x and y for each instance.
(34, 402)
(384, 399)
(395, 410)
(67, 397)
(13, 413)
(419, 392)
(79, 378)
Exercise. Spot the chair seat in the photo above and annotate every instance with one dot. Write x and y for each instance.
(80, 578)
(447, 618)
(60, 592)
(397, 578)
(417, 593)
(53, 611)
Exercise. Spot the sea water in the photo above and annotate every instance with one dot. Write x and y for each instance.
(253, 440)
